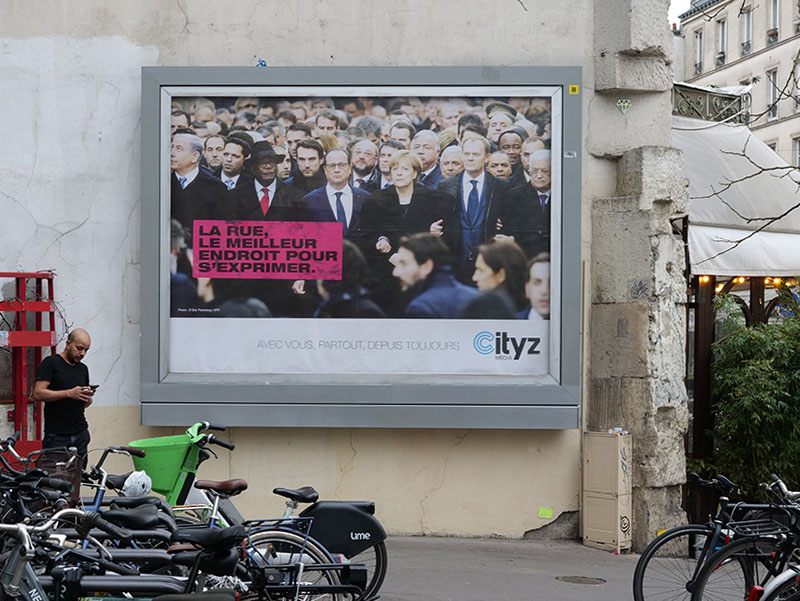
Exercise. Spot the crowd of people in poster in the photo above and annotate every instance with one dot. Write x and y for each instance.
(444, 203)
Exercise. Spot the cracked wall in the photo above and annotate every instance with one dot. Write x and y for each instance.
(69, 188)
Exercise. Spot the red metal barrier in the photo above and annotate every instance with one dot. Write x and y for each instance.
(19, 339)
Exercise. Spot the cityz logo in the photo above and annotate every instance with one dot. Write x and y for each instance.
(503, 346)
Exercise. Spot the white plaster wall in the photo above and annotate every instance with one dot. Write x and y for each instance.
(69, 201)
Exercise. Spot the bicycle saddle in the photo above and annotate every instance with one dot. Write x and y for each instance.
(210, 539)
(140, 518)
(227, 487)
(306, 494)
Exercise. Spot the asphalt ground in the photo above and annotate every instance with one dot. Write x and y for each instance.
(465, 569)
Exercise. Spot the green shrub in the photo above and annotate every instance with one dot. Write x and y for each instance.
(756, 374)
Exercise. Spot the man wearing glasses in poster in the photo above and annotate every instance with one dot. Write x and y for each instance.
(524, 213)
(337, 200)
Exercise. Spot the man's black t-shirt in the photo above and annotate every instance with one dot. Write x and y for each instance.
(67, 415)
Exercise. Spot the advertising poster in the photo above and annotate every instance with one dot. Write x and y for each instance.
(363, 231)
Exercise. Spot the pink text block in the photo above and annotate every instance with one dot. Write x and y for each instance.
(271, 250)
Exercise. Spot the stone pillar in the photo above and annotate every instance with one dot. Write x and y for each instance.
(637, 331)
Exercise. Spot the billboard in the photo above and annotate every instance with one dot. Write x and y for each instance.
(391, 234)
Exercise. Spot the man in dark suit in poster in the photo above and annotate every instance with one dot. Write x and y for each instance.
(364, 158)
(195, 193)
(524, 213)
(426, 146)
(337, 200)
(472, 218)
(265, 197)
(510, 142)
(234, 154)
(310, 175)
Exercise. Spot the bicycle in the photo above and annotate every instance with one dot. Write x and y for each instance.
(670, 565)
(347, 529)
(74, 573)
(760, 550)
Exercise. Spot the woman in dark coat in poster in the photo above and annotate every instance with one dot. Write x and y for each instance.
(402, 209)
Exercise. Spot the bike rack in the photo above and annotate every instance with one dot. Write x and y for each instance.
(19, 339)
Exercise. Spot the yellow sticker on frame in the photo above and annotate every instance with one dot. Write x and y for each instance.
(574, 89)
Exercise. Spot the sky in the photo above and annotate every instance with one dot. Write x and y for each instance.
(677, 7)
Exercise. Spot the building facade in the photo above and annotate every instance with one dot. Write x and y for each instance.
(71, 188)
(733, 42)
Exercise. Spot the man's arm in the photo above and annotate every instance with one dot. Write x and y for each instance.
(42, 393)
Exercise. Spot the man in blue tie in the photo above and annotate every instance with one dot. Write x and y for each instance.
(195, 193)
(337, 200)
(472, 218)
(234, 155)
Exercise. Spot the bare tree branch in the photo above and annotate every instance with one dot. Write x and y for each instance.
(736, 243)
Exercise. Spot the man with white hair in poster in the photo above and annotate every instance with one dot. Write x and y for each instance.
(524, 212)
(195, 193)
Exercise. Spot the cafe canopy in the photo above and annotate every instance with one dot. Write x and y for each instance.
(738, 186)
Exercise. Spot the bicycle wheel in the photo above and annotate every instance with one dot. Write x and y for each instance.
(669, 564)
(729, 573)
(786, 591)
(284, 547)
(375, 559)
(794, 595)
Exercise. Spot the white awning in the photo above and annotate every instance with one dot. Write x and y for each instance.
(735, 177)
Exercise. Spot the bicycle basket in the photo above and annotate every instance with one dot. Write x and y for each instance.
(61, 464)
(164, 458)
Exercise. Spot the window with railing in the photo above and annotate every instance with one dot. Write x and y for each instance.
(722, 41)
(796, 151)
(772, 94)
(747, 31)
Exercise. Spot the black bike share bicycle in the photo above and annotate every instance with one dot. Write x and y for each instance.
(348, 530)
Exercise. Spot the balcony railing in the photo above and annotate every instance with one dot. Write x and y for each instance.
(746, 47)
(772, 112)
(772, 36)
(709, 106)
(698, 68)
(720, 58)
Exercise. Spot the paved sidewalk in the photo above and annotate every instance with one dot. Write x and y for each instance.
(462, 569)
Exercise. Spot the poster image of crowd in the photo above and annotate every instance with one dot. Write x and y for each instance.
(335, 232)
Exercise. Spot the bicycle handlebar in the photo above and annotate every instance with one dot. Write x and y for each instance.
(210, 426)
(61, 485)
(719, 481)
(12, 440)
(108, 527)
(780, 489)
(133, 451)
(222, 443)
